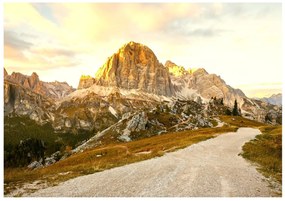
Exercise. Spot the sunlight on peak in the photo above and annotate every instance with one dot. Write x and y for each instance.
(85, 77)
(177, 70)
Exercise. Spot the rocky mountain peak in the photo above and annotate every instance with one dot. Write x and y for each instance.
(5, 73)
(199, 71)
(85, 82)
(175, 70)
(33, 80)
(54, 90)
(135, 66)
(34, 76)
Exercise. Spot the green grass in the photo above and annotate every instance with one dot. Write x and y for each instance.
(266, 150)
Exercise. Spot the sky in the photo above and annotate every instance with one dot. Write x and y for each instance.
(241, 42)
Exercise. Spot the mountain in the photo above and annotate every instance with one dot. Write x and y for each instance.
(134, 66)
(132, 96)
(275, 99)
(199, 81)
(54, 90)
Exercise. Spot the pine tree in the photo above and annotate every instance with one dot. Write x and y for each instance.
(235, 110)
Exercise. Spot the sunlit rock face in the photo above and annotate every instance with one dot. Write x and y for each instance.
(135, 66)
(176, 70)
(199, 81)
(85, 82)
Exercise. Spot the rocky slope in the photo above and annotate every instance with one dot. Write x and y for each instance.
(54, 90)
(164, 117)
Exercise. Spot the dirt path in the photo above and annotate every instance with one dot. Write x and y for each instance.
(210, 168)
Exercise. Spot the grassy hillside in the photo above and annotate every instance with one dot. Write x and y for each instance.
(119, 153)
(109, 156)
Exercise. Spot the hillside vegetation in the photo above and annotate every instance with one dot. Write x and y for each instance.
(117, 154)
(109, 156)
(266, 151)
(22, 129)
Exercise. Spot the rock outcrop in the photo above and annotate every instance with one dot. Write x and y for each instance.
(54, 90)
(85, 82)
(24, 102)
(5, 73)
(135, 66)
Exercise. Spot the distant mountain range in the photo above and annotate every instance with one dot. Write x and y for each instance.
(275, 99)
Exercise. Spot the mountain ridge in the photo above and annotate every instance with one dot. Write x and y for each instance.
(275, 99)
(54, 90)
(135, 66)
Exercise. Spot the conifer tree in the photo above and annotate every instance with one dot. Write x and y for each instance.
(235, 109)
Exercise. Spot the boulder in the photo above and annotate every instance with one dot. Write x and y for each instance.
(35, 165)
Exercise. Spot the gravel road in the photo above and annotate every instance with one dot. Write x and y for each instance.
(209, 168)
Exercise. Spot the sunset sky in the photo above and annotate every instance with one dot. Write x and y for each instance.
(240, 42)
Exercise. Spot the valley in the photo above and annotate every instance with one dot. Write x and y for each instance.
(134, 109)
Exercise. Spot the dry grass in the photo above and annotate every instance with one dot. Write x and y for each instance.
(109, 156)
(240, 121)
(266, 150)
(118, 154)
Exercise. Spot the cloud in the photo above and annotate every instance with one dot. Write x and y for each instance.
(13, 54)
(53, 52)
(12, 39)
(204, 32)
(200, 32)
(219, 37)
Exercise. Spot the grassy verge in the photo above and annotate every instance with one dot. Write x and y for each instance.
(240, 121)
(266, 150)
(109, 156)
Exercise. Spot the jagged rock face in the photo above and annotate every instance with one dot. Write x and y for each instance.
(85, 82)
(205, 84)
(57, 90)
(135, 66)
(211, 85)
(5, 73)
(53, 90)
(24, 102)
